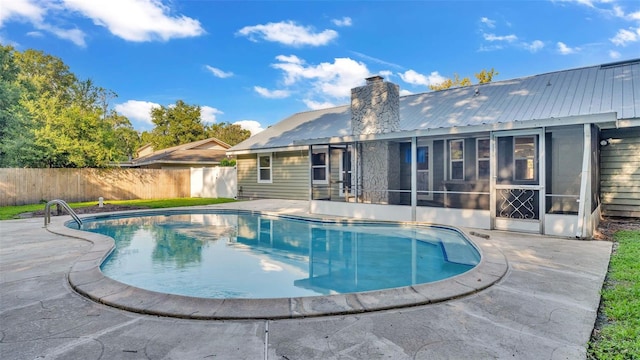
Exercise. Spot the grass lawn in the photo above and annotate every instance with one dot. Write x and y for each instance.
(619, 336)
(12, 212)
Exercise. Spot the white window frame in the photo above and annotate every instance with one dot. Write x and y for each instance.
(320, 150)
(535, 158)
(478, 158)
(259, 172)
(451, 160)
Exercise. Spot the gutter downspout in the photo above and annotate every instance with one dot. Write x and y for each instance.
(584, 181)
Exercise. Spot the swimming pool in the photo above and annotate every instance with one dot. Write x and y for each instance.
(245, 255)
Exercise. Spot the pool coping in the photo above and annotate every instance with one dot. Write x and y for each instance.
(86, 278)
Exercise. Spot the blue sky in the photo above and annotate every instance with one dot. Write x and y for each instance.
(255, 63)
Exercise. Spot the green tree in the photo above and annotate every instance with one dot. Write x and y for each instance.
(450, 83)
(483, 77)
(176, 125)
(11, 112)
(55, 119)
(127, 139)
(229, 133)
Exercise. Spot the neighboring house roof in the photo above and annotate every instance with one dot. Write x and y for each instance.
(612, 89)
(203, 152)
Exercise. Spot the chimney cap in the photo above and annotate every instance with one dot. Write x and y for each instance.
(374, 79)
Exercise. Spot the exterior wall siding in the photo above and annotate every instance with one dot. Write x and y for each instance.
(289, 172)
(620, 172)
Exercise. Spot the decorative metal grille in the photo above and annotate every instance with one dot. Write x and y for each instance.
(517, 204)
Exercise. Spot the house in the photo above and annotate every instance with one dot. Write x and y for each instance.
(543, 154)
(203, 153)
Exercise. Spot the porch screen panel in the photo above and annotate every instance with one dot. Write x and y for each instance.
(564, 166)
(505, 160)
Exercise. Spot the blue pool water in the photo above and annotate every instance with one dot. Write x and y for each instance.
(244, 255)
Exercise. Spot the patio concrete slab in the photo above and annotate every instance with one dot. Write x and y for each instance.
(543, 308)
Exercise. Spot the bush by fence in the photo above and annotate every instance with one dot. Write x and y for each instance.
(31, 186)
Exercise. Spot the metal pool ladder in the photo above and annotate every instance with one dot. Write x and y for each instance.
(47, 212)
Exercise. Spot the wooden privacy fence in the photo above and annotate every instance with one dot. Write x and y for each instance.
(31, 186)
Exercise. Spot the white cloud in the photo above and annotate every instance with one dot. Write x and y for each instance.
(76, 36)
(488, 22)
(334, 80)
(35, 13)
(208, 114)
(507, 38)
(316, 105)
(251, 125)
(565, 50)
(288, 33)
(137, 110)
(624, 36)
(534, 46)
(219, 73)
(289, 59)
(36, 34)
(137, 20)
(614, 54)
(404, 92)
(415, 78)
(385, 73)
(271, 94)
(345, 21)
(320, 85)
(133, 20)
(21, 10)
(633, 16)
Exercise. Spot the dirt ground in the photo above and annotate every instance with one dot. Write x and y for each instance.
(609, 226)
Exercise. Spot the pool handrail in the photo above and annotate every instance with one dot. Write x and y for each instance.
(47, 211)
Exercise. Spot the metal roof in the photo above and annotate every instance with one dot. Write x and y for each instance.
(607, 88)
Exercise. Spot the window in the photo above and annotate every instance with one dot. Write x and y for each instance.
(264, 168)
(524, 157)
(483, 155)
(319, 166)
(456, 160)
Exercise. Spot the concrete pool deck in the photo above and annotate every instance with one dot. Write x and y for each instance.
(544, 307)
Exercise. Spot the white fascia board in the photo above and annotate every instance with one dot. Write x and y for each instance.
(623, 123)
(606, 118)
(268, 150)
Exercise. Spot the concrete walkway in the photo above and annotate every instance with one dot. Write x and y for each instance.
(544, 307)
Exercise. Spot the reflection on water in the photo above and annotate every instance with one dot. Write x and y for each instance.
(248, 256)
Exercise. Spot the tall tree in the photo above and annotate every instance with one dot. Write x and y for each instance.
(56, 120)
(175, 125)
(230, 133)
(12, 112)
(127, 139)
(483, 77)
